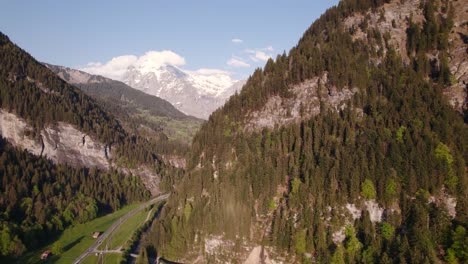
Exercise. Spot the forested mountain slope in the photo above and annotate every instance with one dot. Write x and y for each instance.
(139, 112)
(49, 117)
(39, 199)
(63, 158)
(350, 148)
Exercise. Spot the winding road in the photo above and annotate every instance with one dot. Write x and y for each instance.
(114, 226)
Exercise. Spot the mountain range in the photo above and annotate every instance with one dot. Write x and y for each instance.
(144, 114)
(196, 93)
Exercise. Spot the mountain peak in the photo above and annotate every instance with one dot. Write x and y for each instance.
(196, 93)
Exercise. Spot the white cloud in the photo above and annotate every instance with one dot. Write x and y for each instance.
(150, 61)
(260, 54)
(237, 62)
(155, 59)
(113, 68)
(237, 40)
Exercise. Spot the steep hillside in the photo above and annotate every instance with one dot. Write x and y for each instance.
(39, 199)
(48, 117)
(344, 150)
(139, 112)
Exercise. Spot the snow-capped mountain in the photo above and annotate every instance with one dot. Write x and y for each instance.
(196, 93)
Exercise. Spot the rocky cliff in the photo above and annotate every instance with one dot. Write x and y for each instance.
(62, 143)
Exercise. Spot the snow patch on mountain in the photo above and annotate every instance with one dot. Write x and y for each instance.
(213, 82)
(197, 93)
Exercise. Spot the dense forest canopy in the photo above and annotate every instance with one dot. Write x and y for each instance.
(39, 199)
(397, 144)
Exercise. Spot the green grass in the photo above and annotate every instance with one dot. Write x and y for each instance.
(107, 259)
(182, 130)
(125, 231)
(76, 239)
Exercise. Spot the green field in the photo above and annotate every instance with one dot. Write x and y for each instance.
(125, 231)
(106, 259)
(76, 239)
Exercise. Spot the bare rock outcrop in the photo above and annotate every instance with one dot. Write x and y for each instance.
(458, 57)
(393, 18)
(64, 144)
(304, 104)
(61, 143)
(175, 161)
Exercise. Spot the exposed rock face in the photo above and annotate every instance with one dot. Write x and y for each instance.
(375, 211)
(304, 104)
(61, 143)
(393, 18)
(214, 244)
(354, 211)
(149, 178)
(443, 199)
(175, 161)
(339, 236)
(65, 144)
(258, 255)
(458, 59)
(15, 130)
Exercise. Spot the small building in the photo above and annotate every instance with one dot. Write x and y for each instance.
(46, 254)
(96, 234)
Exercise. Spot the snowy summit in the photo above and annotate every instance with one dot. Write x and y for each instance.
(197, 93)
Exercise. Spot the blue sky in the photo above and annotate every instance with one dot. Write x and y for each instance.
(75, 33)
